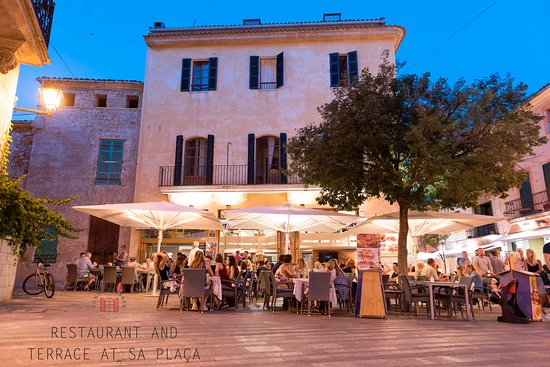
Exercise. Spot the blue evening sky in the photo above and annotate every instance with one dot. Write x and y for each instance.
(103, 38)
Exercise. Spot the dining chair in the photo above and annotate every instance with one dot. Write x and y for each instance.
(319, 290)
(109, 277)
(194, 285)
(279, 289)
(129, 277)
(73, 278)
(411, 295)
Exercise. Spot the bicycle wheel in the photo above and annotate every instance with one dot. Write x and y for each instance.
(49, 288)
(33, 285)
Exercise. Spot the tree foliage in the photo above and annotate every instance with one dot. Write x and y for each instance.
(421, 143)
(23, 218)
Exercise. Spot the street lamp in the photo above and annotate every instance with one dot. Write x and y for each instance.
(51, 99)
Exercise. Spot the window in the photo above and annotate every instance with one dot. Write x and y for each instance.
(266, 72)
(132, 102)
(547, 114)
(101, 100)
(48, 248)
(194, 164)
(199, 75)
(68, 99)
(546, 172)
(267, 159)
(109, 163)
(343, 69)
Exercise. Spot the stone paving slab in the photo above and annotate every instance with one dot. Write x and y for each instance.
(252, 336)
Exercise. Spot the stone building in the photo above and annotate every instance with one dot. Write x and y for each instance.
(87, 149)
(220, 103)
(25, 27)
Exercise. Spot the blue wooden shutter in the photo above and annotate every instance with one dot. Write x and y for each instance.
(185, 75)
(334, 70)
(250, 172)
(283, 160)
(353, 72)
(212, 73)
(178, 163)
(526, 194)
(254, 72)
(210, 160)
(280, 70)
(546, 172)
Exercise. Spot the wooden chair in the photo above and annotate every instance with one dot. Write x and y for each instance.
(195, 286)
(279, 292)
(236, 289)
(319, 290)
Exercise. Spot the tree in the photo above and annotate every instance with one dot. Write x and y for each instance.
(419, 143)
(24, 218)
(437, 242)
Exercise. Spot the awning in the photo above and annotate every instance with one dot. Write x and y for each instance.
(523, 235)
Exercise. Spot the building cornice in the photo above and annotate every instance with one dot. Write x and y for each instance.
(312, 31)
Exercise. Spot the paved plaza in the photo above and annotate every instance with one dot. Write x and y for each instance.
(71, 322)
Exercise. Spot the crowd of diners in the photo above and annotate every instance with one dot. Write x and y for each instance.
(483, 268)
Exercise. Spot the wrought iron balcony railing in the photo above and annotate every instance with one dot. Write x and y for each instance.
(520, 208)
(223, 175)
(44, 14)
(482, 231)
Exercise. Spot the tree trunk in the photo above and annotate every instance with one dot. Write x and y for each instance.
(403, 236)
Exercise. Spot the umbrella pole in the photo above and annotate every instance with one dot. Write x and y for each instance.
(156, 277)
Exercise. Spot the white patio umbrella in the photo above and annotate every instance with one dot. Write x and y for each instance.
(429, 222)
(287, 219)
(156, 215)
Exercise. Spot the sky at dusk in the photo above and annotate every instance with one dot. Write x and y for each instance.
(103, 39)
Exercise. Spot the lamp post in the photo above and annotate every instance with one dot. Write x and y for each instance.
(51, 99)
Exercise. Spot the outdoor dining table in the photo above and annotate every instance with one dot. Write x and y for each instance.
(149, 278)
(300, 285)
(431, 285)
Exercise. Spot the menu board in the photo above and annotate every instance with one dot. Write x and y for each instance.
(368, 251)
(388, 244)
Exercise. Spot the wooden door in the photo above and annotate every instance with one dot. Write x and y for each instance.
(102, 240)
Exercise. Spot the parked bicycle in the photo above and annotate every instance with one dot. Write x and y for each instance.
(40, 281)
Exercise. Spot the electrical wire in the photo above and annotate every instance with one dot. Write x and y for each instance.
(452, 35)
(64, 63)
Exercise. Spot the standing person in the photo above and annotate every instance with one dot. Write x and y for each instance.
(122, 258)
(84, 266)
(532, 264)
(496, 262)
(193, 252)
(482, 264)
(464, 260)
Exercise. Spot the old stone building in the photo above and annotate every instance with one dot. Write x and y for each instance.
(220, 103)
(87, 149)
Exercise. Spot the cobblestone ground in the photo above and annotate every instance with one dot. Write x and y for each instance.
(77, 333)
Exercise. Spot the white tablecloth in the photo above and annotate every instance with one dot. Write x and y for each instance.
(301, 283)
(216, 286)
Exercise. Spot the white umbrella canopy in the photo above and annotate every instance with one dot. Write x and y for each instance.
(287, 219)
(428, 222)
(156, 215)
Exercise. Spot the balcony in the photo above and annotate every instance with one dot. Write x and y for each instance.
(223, 175)
(482, 231)
(517, 208)
(44, 14)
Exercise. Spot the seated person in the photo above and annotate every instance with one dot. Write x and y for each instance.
(429, 271)
(478, 281)
(418, 270)
(147, 265)
(285, 271)
(394, 273)
(84, 266)
(261, 267)
(301, 269)
(133, 262)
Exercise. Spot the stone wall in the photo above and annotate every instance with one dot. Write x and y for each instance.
(64, 155)
(7, 275)
(19, 159)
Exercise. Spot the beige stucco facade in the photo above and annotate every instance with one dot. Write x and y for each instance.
(233, 111)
